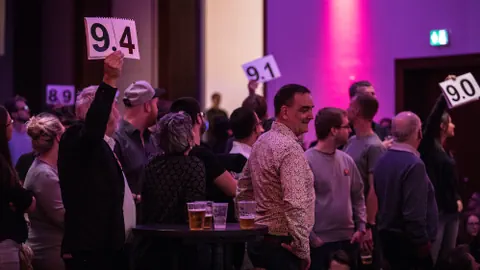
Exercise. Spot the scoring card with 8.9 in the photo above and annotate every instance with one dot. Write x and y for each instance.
(106, 35)
(462, 90)
(60, 95)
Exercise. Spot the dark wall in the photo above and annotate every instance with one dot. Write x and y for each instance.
(6, 60)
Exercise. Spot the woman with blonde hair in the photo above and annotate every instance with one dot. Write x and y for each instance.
(46, 232)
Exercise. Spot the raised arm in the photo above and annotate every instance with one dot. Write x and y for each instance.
(99, 112)
(431, 129)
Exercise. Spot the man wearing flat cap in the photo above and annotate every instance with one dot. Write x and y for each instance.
(134, 141)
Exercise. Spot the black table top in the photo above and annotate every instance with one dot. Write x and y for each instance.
(232, 232)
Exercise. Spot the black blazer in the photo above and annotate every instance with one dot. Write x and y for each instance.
(91, 182)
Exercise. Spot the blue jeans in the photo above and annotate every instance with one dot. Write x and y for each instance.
(9, 259)
(447, 231)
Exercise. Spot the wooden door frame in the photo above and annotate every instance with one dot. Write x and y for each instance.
(440, 62)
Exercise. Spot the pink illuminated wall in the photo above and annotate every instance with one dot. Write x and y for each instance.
(324, 44)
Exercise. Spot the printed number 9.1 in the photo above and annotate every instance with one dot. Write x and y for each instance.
(253, 72)
(102, 38)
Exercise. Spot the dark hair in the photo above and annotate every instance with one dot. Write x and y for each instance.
(445, 118)
(188, 105)
(5, 151)
(457, 259)
(215, 95)
(388, 120)
(256, 103)
(64, 114)
(242, 123)
(367, 105)
(341, 257)
(326, 119)
(353, 90)
(11, 103)
(285, 95)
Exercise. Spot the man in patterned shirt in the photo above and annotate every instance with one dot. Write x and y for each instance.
(277, 176)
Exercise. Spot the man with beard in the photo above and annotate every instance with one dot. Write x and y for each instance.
(20, 113)
(135, 144)
(339, 203)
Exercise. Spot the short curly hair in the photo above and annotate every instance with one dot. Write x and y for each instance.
(174, 133)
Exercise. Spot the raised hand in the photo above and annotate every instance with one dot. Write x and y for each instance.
(112, 68)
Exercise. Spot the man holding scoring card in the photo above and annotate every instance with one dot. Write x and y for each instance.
(99, 207)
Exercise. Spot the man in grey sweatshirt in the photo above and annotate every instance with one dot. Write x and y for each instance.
(340, 214)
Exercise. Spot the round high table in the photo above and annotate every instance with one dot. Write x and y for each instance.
(217, 238)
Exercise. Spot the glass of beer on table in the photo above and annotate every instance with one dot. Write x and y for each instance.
(196, 215)
(246, 214)
(208, 215)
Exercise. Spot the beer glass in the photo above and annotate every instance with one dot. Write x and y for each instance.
(246, 214)
(220, 211)
(196, 215)
(208, 215)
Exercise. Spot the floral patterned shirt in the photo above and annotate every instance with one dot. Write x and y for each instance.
(277, 176)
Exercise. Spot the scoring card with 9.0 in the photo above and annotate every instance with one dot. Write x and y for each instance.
(106, 35)
(462, 90)
(60, 95)
(262, 70)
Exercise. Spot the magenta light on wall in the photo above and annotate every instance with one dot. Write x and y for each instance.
(346, 54)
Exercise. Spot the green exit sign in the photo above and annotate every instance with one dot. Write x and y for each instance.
(439, 37)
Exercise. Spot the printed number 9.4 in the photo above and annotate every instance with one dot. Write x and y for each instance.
(452, 90)
(253, 72)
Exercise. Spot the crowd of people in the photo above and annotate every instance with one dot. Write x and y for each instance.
(362, 196)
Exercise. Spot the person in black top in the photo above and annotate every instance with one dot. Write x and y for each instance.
(98, 211)
(14, 201)
(442, 172)
(221, 186)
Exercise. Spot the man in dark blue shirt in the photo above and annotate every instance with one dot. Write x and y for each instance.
(407, 210)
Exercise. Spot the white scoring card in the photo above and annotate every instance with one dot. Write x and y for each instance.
(126, 35)
(60, 95)
(106, 35)
(462, 90)
(262, 70)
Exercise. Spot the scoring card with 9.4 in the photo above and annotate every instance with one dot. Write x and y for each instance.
(106, 35)
(462, 90)
(262, 70)
(60, 95)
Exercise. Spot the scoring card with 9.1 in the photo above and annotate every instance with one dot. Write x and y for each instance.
(262, 70)
(106, 35)
(460, 91)
(60, 95)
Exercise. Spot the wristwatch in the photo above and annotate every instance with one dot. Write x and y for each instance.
(369, 226)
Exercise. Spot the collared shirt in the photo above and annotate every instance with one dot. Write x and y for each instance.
(277, 176)
(129, 210)
(405, 148)
(241, 148)
(133, 155)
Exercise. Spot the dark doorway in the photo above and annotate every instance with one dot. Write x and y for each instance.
(417, 90)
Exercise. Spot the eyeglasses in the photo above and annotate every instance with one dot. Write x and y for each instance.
(23, 108)
(346, 126)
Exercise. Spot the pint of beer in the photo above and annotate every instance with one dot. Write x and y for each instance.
(208, 214)
(196, 215)
(246, 214)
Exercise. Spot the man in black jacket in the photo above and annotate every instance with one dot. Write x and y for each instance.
(99, 207)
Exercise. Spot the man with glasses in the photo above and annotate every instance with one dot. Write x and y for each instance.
(339, 203)
(20, 113)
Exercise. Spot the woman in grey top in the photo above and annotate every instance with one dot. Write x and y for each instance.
(46, 231)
